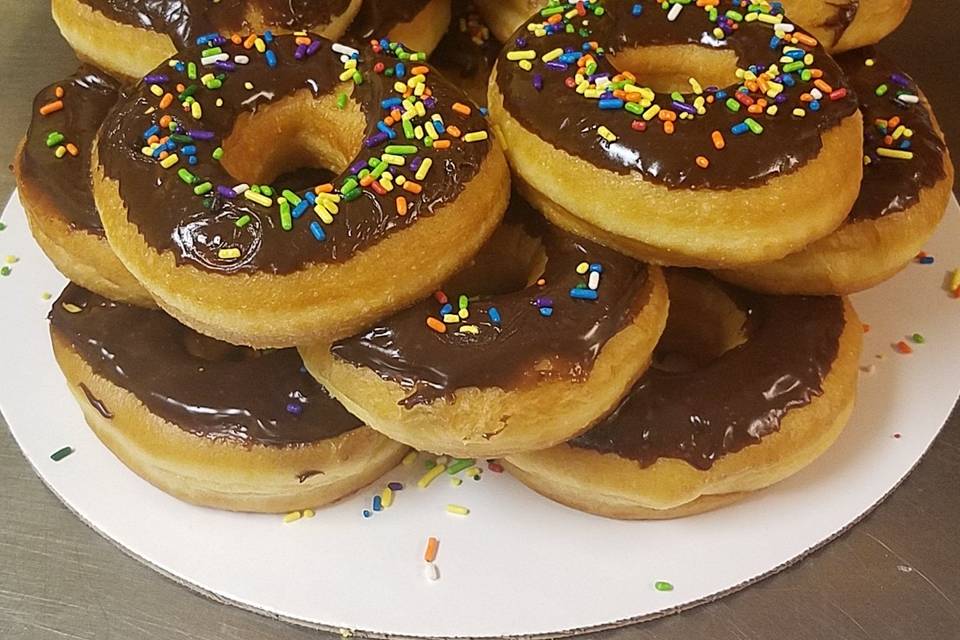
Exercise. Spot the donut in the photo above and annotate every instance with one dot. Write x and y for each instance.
(128, 38)
(467, 52)
(745, 390)
(839, 24)
(418, 24)
(906, 185)
(209, 423)
(182, 177)
(699, 176)
(540, 337)
(52, 169)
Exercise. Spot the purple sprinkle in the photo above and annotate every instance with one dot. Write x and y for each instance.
(395, 486)
(294, 408)
(543, 301)
(198, 134)
(538, 82)
(313, 48)
(559, 66)
(300, 52)
(223, 65)
(415, 163)
(226, 192)
(900, 79)
(156, 79)
(521, 42)
(430, 102)
(377, 138)
(780, 99)
(358, 166)
(683, 106)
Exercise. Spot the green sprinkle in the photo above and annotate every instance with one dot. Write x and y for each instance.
(206, 53)
(5, 271)
(242, 221)
(217, 153)
(286, 221)
(919, 339)
(54, 138)
(291, 197)
(201, 189)
(401, 149)
(459, 465)
(192, 70)
(732, 104)
(755, 126)
(266, 190)
(429, 463)
(348, 185)
(463, 301)
(60, 454)
(882, 90)
(2, 226)
(46, 295)
(661, 585)
(342, 101)
(186, 176)
(353, 194)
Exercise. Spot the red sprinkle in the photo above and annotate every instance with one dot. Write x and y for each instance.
(903, 347)
(638, 125)
(838, 94)
(441, 297)
(494, 466)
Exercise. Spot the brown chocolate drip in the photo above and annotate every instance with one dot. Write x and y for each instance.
(87, 97)
(205, 387)
(468, 50)
(890, 184)
(569, 122)
(524, 347)
(184, 20)
(172, 218)
(306, 475)
(376, 18)
(96, 402)
(735, 400)
(844, 13)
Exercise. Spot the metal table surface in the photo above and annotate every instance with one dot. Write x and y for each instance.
(895, 575)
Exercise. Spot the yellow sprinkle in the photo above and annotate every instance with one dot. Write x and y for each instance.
(552, 55)
(12, 259)
(323, 214)
(259, 198)
(169, 161)
(475, 136)
(456, 509)
(431, 475)
(583, 267)
(424, 168)
(386, 497)
(606, 134)
(309, 513)
(46, 295)
(60, 151)
(228, 254)
(156, 90)
(800, 113)
(869, 62)
(522, 55)
(651, 113)
(899, 154)
(455, 482)
(196, 111)
(473, 471)
(260, 45)
(525, 65)
(410, 458)
(471, 329)
(248, 86)
(463, 313)
(955, 280)
(451, 318)
(71, 308)
(293, 516)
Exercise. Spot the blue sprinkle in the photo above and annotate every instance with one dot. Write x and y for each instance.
(317, 231)
(390, 103)
(611, 103)
(583, 294)
(815, 105)
(377, 503)
(546, 312)
(399, 69)
(294, 408)
(739, 129)
(268, 36)
(192, 160)
(447, 308)
(636, 10)
(271, 58)
(390, 133)
(366, 513)
(152, 131)
(190, 150)
(300, 209)
(596, 266)
(311, 197)
(494, 315)
(926, 260)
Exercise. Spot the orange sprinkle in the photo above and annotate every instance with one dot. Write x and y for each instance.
(180, 87)
(412, 187)
(436, 325)
(236, 39)
(667, 115)
(420, 69)
(396, 115)
(164, 121)
(541, 282)
(454, 131)
(401, 206)
(441, 144)
(431, 552)
(303, 40)
(367, 180)
(250, 41)
(823, 86)
(803, 38)
(903, 347)
(718, 141)
(462, 109)
(668, 127)
(72, 149)
(153, 139)
(816, 73)
(166, 100)
(893, 122)
(866, 328)
(703, 162)
(164, 155)
(324, 188)
(389, 121)
(755, 108)
(51, 107)
(58, 91)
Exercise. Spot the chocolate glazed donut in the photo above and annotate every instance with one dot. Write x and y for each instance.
(205, 421)
(192, 216)
(748, 389)
(906, 185)
(130, 37)
(482, 369)
(418, 24)
(52, 168)
(754, 157)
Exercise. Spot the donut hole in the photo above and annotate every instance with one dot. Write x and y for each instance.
(668, 68)
(510, 261)
(704, 323)
(293, 135)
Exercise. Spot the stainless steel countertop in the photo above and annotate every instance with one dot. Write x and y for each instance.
(896, 575)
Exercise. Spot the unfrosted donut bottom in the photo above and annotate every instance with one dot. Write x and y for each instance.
(610, 484)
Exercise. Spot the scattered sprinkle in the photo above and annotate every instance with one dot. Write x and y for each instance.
(293, 516)
(430, 553)
(458, 510)
(60, 454)
(662, 585)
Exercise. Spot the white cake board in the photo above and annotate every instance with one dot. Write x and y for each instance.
(518, 564)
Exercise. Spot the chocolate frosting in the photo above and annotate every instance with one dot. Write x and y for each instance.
(377, 17)
(569, 121)
(890, 184)
(468, 49)
(87, 97)
(207, 388)
(735, 400)
(195, 228)
(184, 20)
(844, 13)
(524, 347)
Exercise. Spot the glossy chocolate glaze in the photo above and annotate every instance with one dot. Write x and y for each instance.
(735, 400)
(377, 17)
(184, 20)
(844, 13)
(206, 387)
(468, 50)
(88, 95)
(524, 347)
(172, 218)
(570, 122)
(890, 184)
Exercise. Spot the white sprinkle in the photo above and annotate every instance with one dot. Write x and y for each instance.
(431, 571)
(674, 12)
(240, 188)
(594, 280)
(240, 59)
(816, 93)
(344, 49)
(908, 98)
(209, 60)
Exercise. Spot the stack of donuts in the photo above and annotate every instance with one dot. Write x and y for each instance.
(299, 246)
